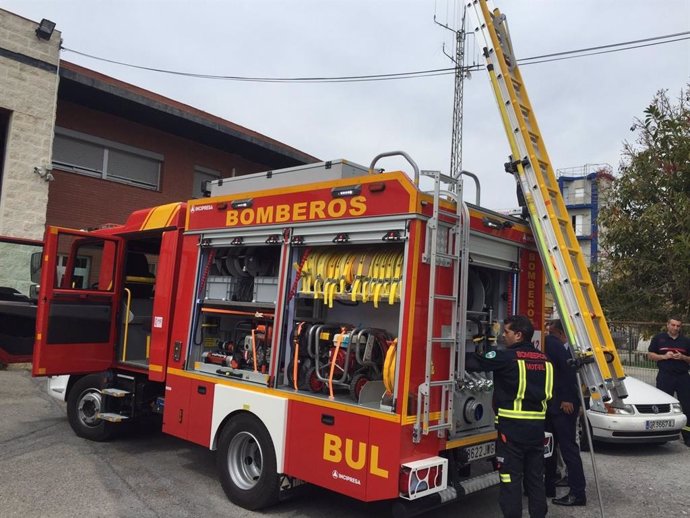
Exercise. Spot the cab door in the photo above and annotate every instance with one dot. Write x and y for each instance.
(78, 303)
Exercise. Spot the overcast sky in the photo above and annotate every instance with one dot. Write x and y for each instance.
(585, 106)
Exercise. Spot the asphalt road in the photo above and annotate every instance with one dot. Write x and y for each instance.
(45, 470)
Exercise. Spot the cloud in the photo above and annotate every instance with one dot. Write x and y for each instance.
(584, 106)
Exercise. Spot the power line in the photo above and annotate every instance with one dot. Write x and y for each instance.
(544, 58)
(599, 47)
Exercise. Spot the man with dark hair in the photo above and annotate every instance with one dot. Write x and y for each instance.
(523, 380)
(671, 351)
(561, 418)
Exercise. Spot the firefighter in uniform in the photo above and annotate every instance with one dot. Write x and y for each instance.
(562, 415)
(671, 351)
(523, 381)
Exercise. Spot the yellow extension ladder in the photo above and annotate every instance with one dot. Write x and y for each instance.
(578, 305)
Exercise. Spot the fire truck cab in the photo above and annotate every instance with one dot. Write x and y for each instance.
(285, 322)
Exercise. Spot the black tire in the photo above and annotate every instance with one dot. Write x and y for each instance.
(357, 384)
(313, 383)
(83, 403)
(302, 371)
(246, 462)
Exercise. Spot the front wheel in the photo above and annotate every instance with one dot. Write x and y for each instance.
(247, 463)
(84, 403)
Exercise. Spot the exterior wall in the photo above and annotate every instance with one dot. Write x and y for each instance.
(570, 187)
(596, 186)
(28, 90)
(81, 201)
(580, 206)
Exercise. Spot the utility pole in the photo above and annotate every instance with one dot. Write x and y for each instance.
(460, 71)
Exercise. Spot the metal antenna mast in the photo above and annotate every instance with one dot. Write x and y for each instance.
(460, 71)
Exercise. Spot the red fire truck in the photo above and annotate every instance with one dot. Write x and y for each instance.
(312, 324)
(309, 324)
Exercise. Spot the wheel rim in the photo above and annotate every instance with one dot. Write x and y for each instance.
(89, 407)
(315, 384)
(245, 460)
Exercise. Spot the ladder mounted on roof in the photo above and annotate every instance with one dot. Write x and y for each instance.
(583, 319)
(447, 246)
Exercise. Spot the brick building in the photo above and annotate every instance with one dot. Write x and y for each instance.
(119, 148)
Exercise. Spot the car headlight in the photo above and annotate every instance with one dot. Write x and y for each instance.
(622, 410)
(676, 408)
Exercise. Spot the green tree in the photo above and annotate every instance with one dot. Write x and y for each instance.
(645, 264)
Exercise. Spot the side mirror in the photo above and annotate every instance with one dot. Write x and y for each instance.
(33, 291)
(36, 259)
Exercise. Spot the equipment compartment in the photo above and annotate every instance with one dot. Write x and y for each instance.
(234, 318)
(343, 320)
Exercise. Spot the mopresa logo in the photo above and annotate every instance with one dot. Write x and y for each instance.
(197, 208)
(347, 478)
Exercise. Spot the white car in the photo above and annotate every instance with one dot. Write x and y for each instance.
(649, 415)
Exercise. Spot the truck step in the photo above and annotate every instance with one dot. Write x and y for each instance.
(474, 484)
(115, 392)
(111, 417)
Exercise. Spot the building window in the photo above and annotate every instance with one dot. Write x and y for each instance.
(579, 193)
(201, 176)
(579, 225)
(93, 156)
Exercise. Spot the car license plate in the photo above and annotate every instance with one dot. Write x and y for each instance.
(660, 423)
(479, 451)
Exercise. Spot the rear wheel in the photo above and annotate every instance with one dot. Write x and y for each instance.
(247, 463)
(84, 403)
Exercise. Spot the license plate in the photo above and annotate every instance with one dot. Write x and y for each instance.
(660, 423)
(479, 451)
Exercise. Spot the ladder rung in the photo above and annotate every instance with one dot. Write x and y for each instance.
(445, 297)
(440, 383)
(447, 256)
(441, 426)
(442, 340)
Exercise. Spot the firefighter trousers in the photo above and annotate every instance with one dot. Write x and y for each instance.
(678, 383)
(518, 460)
(563, 427)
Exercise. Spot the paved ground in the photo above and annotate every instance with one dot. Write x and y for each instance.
(45, 470)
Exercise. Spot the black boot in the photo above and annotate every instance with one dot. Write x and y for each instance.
(570, 500)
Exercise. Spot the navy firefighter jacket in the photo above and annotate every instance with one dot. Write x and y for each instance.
(523, 383)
